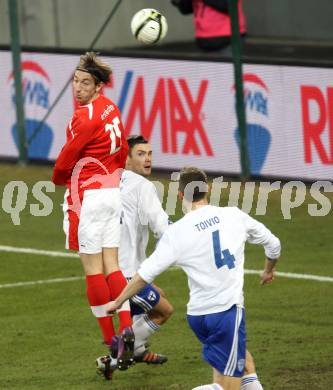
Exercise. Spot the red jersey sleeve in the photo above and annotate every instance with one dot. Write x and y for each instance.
(71, 152)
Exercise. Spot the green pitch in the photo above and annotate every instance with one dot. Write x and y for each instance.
(49, 338)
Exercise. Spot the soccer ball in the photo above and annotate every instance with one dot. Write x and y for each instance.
(149, 26)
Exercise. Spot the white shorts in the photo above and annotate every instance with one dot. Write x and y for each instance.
(99, 223)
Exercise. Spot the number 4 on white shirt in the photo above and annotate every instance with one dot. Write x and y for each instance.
(222, 257)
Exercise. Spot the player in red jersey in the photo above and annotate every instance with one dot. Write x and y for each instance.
(90, 165)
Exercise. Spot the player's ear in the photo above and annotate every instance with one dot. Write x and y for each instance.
(99, 87)
(180, 195)
(128, 162)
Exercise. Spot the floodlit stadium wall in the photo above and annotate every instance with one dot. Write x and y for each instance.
(187, 110)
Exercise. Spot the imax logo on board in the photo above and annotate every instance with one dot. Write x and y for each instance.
(174, 110)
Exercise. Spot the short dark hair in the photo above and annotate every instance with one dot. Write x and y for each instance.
(99, 70)
(135, 139)
(193, 183)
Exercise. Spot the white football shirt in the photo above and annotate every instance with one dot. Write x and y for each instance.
(208, 244)
(141, 210)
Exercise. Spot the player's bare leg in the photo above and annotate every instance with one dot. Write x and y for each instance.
(250, 379)
(249, 364)
(161, 312)
(110, 260)
(92, 263)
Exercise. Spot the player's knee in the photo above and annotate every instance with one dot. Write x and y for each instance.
(162, 311)
(168, 310)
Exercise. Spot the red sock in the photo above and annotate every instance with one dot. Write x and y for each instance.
(117, 283)
(98, 294)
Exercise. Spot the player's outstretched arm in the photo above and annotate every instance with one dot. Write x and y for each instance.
(133, 287)
(267, 275)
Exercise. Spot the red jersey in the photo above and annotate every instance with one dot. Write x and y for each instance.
(96, 139)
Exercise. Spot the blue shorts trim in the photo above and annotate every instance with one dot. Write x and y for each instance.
(144, 300)
(224, 339)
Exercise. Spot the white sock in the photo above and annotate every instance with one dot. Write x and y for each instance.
(136, 317)
(251, 382)
(212, 386)
(143, 328)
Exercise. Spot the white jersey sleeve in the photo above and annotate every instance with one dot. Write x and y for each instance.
(150, 210)
(259, 234)
(141, 210)
(163, 257)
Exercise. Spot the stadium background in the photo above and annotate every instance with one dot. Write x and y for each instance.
(47, 329)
